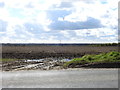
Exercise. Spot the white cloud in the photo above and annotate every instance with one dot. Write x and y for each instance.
(83, 10)
(107, 33)
(35, 12)
(66, 33)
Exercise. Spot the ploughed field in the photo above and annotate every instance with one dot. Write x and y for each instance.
(52, 51)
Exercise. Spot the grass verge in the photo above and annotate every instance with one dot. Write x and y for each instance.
(7, 59)
(110, 57)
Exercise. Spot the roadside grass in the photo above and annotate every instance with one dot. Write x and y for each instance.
(7, 59)
(100, 58)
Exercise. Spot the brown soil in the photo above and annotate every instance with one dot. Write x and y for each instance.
(37, 52)
(97, 65)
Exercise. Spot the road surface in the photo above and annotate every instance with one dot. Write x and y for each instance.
(72, 78)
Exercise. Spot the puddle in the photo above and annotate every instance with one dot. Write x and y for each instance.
(39, 60)
(66, 59)
(35, 60)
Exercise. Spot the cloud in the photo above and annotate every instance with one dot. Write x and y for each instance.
(33, 27)
(2, 4)
(65, 5)
(55, 14)
(30, 5)
(65, 25)
(62, 6)
(3, 26)
(51, 21)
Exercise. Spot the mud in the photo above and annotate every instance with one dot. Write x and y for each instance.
(46, 64)
(51, 64)
(97, 65)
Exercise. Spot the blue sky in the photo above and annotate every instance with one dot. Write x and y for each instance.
(52, 21)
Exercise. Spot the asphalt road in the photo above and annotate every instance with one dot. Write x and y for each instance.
(73, 78)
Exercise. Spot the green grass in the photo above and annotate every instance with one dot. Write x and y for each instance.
(7, 59)
(100, 58)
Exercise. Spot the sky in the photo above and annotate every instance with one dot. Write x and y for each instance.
(55, 21)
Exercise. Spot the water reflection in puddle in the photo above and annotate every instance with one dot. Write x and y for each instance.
(40, 60)
(35, 60)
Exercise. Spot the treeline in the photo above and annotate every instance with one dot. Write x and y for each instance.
(60, 44)
(107, 44)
